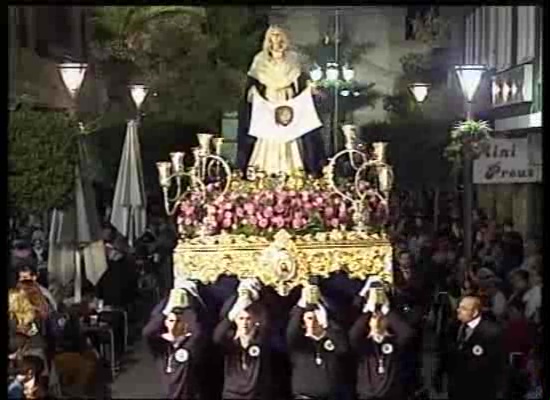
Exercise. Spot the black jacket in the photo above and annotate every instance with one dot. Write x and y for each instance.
(316, 364)
(475, 367)
(177, 362)
(247, 371)
(372, 382)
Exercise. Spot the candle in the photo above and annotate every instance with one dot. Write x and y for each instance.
(196, 156)
(177, 160)
(218, 143)
(380, 151)
(350, 133)
(204, 142)
(383, 179)
(164, 169)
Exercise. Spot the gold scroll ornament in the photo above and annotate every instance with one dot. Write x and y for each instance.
(284, 262)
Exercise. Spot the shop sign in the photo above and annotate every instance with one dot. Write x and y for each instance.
(506, 161)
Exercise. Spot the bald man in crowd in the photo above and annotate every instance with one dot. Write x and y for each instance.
(472, 355)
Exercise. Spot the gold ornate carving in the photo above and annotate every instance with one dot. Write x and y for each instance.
(285, 262)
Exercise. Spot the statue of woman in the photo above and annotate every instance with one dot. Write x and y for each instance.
(276, 76)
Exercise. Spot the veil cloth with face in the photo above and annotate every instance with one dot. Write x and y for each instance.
(277, 82)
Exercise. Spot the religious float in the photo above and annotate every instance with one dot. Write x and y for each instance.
(281, 229)
(288, 214)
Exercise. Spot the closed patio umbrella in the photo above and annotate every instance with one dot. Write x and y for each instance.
(75, 234)
(129, 215)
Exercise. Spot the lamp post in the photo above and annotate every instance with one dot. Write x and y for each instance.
(138, 93)
(72, 75)
(469, 77)
(419, 91)
(338, 78)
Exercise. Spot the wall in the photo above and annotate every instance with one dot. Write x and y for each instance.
(45, 36)
(487, 44)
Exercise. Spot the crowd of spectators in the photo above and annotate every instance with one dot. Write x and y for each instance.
(505, 271)
(54, 346)
(50, 352)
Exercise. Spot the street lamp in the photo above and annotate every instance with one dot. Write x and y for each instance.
(138, 93)
(419, 91)
(72, 75)
(469, 77)
(333, 74)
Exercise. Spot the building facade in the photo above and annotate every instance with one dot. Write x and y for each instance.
(40, 37)
(386, 30)
(509, 41)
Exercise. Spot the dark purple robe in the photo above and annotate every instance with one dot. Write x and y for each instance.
(177, 362)
(247, 371)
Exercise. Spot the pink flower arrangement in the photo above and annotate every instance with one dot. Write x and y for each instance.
(263, 212)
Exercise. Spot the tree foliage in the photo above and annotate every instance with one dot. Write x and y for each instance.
(42, 155)
(194, 59)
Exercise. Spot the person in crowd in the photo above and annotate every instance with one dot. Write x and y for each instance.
(117, 286)
(166, 240)
(316, 344)
(243, 335)
(472, 354)
(17, 346)
(437, 268)
(457, 233)
(512, 248)
(519, 283)
(377, 339)
(210, 369)
(535, 374)
(27, 383)
(518, 335)
(21, 254)
(533, 296)
(532, 251)
(27, 315)
(479, 241)
(489, 285)
(26, 273)
(81, 372)
(479, 218)
(411, 297)
(175, 338)
(28, 311)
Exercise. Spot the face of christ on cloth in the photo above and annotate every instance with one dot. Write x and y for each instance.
(284, 115)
